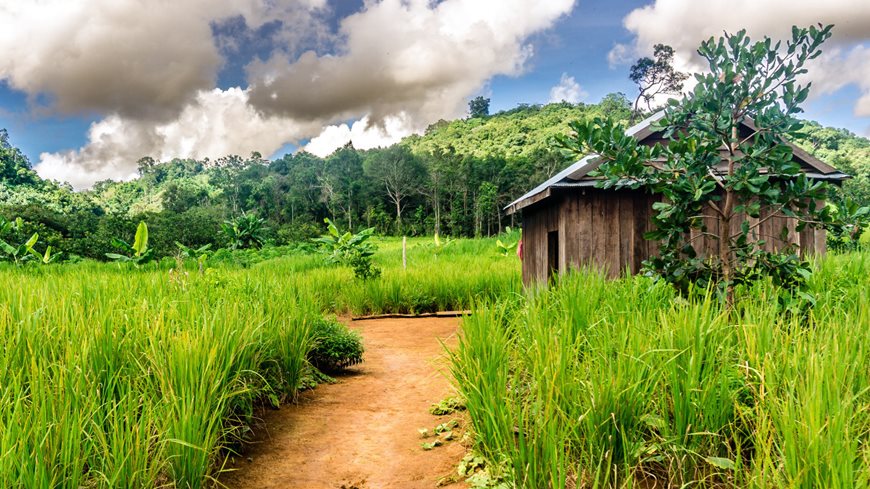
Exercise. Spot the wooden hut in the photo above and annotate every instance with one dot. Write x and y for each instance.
(568, 222)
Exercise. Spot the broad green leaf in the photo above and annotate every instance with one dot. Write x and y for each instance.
(32, 241)
(720, 462)
(7, 248)
(140, 244)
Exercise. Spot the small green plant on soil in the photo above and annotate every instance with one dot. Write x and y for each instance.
(353, 250)
(447, 406)
(477, 474)
(475, 471)
(441, 429)
(138, 252)
(432, 444)
(336, 346)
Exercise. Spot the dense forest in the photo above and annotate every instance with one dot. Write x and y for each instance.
(455, 179)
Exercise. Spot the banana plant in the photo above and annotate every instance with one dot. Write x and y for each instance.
(137, 253)
(507, 247)
(245, 231)
(199, 254)
(48, 257)
(349, 249)
(21, 253)
(440, 245)
(6, 226)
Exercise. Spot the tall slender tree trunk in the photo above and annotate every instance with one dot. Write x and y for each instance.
(398, 215)
(350, 210)
(725, 254)
(437, 202)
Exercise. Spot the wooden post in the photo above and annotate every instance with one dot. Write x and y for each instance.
(404, 254)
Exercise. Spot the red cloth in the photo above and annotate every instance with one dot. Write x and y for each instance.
(520, 249)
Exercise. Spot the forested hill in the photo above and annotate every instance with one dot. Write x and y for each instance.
(455, 179)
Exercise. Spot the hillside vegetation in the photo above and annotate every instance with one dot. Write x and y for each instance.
(455, 180)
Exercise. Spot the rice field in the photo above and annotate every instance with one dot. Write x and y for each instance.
(622, 384)
(123, 377)
(118, 377)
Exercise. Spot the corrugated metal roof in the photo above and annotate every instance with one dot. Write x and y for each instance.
(572, 176)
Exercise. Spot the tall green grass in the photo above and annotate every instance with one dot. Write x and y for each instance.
(126, 379)
(118, 377)
(595, 383)
(451, 278)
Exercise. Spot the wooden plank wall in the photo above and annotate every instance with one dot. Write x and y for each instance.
(604, 229)
(537, 222)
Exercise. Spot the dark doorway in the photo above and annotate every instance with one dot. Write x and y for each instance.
(552, 254)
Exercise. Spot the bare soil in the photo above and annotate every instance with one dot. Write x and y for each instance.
(361, 433)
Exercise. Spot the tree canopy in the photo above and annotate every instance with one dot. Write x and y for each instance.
(465, 172)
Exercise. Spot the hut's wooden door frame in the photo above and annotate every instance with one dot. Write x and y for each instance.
(552, 254)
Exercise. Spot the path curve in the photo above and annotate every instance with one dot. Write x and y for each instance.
(362, 432)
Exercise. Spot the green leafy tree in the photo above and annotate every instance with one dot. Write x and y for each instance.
(615, 106)
(487, 207)
(341, 182)
(748, 82)
(849, 222)
(478, 107)
(400, 174)
(655, 77)
(14, 166)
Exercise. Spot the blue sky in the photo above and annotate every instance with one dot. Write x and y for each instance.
(44, 115)
(577, 45)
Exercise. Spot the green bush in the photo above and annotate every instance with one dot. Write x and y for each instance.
(336, 346)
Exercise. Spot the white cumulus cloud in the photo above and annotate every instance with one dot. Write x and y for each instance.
(683, 24)
(143, 59)
(620, 54)
(416, 57)
(568, 90)
(150, 68)
(216, 123)
(362, 134)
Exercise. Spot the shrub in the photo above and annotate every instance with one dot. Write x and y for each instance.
(336, 346)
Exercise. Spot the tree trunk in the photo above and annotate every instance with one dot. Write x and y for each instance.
(725, 252)
(398, 202)
(437, 206)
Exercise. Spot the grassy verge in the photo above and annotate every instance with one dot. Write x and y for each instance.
(120, 377)
(621, 384)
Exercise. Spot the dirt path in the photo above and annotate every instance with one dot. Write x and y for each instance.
(362, 432)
